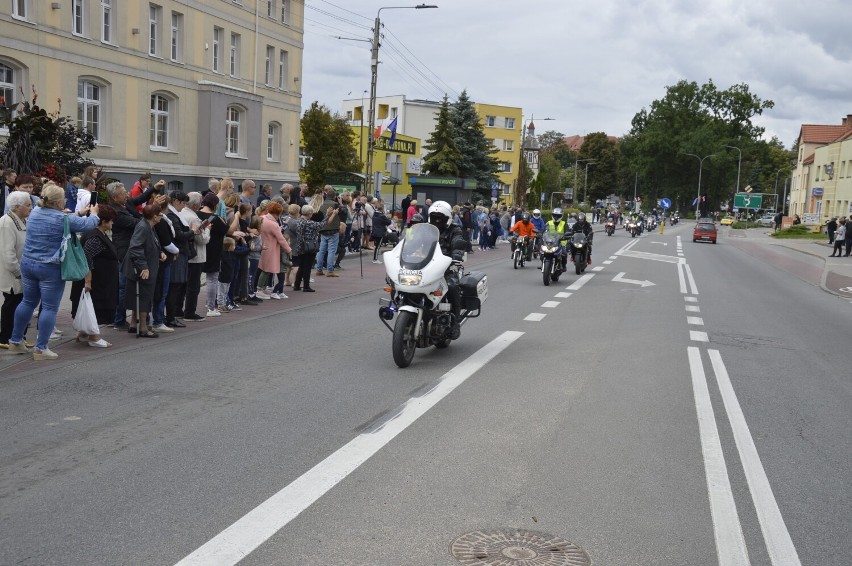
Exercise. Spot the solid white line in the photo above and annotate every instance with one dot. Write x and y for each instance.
(535, 316)
(696, 320)
(779, 545)
(562, 295)
(698, 336)
(550, 304)
(691, 299)
(693, 308)
(730, 544)
(237, 541)
(681, 279)
(578, 284)
(692, 284)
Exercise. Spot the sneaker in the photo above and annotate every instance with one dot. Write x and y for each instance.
(319, 273)
(234, 307)
(332, 274)
(175, 323)
(18, 348)
(46, 354)
(252, 302)
(194, 317)
(261, 295)
(282, 296)
(213, 312)
(376, 261)
(275, 296)
(162, 329)
(55, 335)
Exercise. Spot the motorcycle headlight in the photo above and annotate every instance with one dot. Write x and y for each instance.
(548, 249)
(578, 245)
(409, 279)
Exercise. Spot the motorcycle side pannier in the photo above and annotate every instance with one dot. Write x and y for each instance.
(474, 289)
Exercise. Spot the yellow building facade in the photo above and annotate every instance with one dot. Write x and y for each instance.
(184, 90)
(502, 127)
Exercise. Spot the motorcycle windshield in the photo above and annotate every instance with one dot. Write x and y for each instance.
(418, 248)
(551, 238)
(578, 238)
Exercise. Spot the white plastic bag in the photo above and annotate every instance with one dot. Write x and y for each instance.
(86, 321)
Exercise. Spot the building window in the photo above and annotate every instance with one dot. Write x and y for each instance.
(177, 25)
(270, 8)
(508, 145)
(106, 21)
(161, 109)
(234, 61)
(510, 123)
(8, 88)
(303, 158)
(505, 167)
(285, 11)
(233, 123)
(272, 143)
(505, 188)
(217, 49)
(89, 100)
(283, 64)
(270, 58)
(19, 9)
(77, 17)
(489, 121)
(154, 16)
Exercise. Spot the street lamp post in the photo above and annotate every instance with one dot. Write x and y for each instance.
(700, 167)
(586, 178)
(577, 164)
(374, 68)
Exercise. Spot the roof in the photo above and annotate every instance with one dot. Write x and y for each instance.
(815, 133)
(809, 159)
(575, 142)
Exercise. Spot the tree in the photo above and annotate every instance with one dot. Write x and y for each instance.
(329, 145)
(443, 155)
(477, 154)
(602, 155)
(42, 143)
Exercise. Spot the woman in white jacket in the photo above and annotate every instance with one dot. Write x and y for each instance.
(13, 234)
(196, 264)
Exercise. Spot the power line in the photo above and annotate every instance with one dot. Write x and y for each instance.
(345, 10)
(339, 18)
(422, 64)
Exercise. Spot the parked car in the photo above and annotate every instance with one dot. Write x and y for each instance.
(767, 220)
(704, 231)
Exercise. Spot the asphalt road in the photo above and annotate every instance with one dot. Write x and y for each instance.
(703, 419)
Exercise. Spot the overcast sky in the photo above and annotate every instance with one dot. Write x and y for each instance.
(590, 65)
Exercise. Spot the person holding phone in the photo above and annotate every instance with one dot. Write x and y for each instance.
(85, 196)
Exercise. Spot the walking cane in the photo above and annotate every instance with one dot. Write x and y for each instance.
(138, 317)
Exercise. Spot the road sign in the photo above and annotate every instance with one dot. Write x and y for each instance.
(665, 203)
(748, 200)
(495, 186)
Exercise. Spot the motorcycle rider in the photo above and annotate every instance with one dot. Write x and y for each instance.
(558, 225)
(523, 227)
(538, 222)
(452, 244)
(583, 227)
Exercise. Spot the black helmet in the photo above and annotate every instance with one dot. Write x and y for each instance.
(581, 217)
(416, 219)
(525, 217)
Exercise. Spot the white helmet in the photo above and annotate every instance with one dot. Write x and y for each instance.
(440, 213)
(536, 213)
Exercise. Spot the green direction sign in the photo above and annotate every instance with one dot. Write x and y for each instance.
(748, 200)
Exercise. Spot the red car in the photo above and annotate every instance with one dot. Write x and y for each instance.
(704, 231)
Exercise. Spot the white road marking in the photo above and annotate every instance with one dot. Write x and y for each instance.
(535, 316)
(607, 262)
(550, 304)
(691, 299)
(779, 545)
(613, 257)
(562, 295)
(730, 544)
(698, 336)
(696, 320)
(681, 278)
(598, 268)
(621, 279)
(692, 284)
(578, 284)
(693, 308)
(241, 538)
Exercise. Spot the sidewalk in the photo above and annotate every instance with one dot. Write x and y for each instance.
(349, 283)
(837, 271)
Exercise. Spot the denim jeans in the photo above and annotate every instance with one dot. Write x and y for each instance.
(212, 289)
(42, 283)
(327, 251)
(252, 273)
(120, 311)
(160, 300)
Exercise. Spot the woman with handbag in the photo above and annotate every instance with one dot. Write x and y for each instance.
(41, 269)
(274, 243)
(307, 245)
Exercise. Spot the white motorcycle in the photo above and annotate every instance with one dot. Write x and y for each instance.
(418, 288)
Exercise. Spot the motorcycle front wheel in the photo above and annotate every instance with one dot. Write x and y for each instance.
(545, 272)
(577, 264)
(515, 260)
(404, 343)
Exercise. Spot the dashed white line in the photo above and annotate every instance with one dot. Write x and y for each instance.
(691, 299)
(550, 304)
(607, 262)
(535, 316)
(696, 320)
(578, 284)
(698, 336)
(598, 268)
(562, 295)
(693, 308)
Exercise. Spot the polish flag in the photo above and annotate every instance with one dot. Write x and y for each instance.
(378, 132)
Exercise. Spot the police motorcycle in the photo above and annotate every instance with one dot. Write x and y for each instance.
(552, 256)
(580, 251)
(415, 274)
(675, 218)
(610, 226)
(632, 226)
(651, 223)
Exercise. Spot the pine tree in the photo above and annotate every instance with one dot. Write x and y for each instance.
(477, 154)
(329, 145)
(444, 155)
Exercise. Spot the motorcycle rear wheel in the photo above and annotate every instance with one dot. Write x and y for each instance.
(545, 272)
(404, 343)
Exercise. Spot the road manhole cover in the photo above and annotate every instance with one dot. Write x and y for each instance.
(516, 547)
